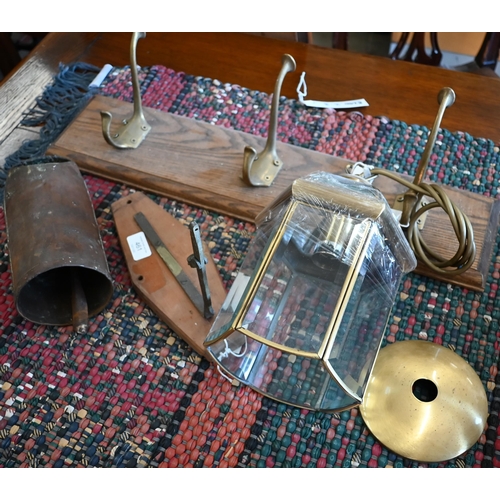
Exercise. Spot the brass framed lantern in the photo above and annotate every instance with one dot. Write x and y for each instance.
(305, 316)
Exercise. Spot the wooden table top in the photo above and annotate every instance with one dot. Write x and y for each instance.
(399, 90)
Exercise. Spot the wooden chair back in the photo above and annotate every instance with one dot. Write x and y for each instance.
(484, 63)
(416, 52)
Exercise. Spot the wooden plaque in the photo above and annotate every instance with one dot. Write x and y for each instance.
(153, 280)
(201, 164)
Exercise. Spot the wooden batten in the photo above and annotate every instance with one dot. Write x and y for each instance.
(201, 164)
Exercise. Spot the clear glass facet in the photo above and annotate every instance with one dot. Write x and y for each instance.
(363, 323)
(306, 314)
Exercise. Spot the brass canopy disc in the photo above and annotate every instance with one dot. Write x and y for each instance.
(424, 402)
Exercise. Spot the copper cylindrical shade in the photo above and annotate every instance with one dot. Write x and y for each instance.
(53, 233)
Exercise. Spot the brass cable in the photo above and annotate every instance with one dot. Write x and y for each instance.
(466, 253)
(413, 209)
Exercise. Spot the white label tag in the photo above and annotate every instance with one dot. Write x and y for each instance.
(362, 170)
(138, 245)
(96, 82)
(302, 92)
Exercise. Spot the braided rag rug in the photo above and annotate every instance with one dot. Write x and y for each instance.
(130, 393)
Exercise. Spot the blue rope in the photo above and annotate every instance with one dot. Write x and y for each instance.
(53, 111)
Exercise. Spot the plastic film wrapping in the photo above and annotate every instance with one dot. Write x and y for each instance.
(306, 314)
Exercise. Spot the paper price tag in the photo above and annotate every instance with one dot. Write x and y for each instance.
(302, 92)
(139, 246)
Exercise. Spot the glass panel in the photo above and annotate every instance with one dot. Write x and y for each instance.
(286, 377)
(238, 290)
(366, 314)
(297, 295)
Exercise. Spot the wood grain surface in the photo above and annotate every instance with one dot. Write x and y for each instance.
(153, 280)
(26, 82)
(201, 164)
(185, 159)
(396, 89)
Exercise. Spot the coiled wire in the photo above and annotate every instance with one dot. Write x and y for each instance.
(466, 253)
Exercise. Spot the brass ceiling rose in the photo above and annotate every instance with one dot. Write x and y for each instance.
(424, 402)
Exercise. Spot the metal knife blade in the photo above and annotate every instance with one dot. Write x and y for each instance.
(198, 261)
(175, 268)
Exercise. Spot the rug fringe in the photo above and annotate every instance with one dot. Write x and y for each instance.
(53, 111)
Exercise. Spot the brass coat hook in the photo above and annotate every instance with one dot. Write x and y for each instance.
(446, 98)
(261, 170)
(133, 130)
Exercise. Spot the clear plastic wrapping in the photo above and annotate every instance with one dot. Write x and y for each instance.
(305, 317)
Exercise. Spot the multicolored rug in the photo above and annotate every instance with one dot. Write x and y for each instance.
(130, 393)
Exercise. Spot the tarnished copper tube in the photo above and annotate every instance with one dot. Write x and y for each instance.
(54, 245)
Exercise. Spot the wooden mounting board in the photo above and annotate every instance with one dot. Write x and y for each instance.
(201, 164)
(153, 280)
(185, 159)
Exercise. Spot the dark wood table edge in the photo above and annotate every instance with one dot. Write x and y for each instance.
(396, 89)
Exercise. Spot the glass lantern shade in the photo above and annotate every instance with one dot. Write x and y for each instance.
(306, 314)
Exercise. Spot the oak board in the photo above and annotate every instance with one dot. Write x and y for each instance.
(201, 164)
(153, 280)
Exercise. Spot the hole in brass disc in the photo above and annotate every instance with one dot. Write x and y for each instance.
(424, 390)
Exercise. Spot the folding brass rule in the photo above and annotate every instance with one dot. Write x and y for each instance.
(306, 314)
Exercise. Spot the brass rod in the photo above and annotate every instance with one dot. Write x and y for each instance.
(134, 129)
(446, 98)
(135, 74)
(78, 303)
(288, 64)
(261, 169)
